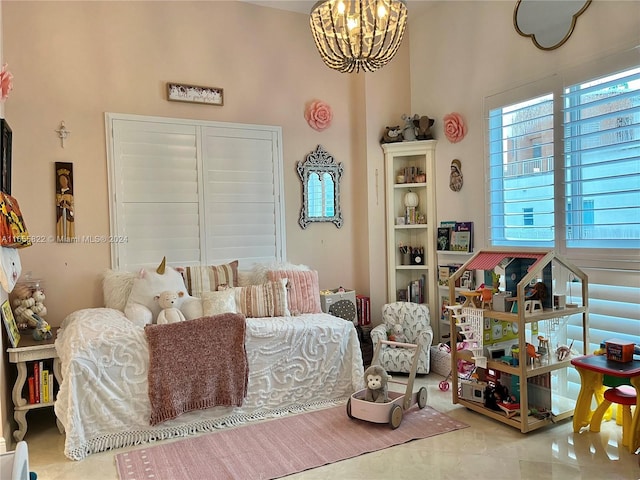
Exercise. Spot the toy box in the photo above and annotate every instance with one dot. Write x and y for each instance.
(619, 350)
(339, 304)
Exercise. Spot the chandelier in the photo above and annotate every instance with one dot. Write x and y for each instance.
(358, 34)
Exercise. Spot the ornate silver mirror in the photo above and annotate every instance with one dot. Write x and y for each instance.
(320, 175)
(549, 23)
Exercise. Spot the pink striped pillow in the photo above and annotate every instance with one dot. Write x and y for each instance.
(303, 291)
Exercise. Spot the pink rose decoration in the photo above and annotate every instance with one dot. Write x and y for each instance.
(454, 127)
(318, 115)
(5, 82)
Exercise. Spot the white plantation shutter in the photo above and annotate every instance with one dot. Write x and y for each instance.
(602, 161)
(521, 173)
(155, 183)
(241, 199)
(199, 193)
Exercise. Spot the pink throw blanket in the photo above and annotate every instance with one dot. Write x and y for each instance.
(196, 364)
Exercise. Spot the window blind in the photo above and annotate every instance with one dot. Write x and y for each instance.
(199, 193)
(521, 172)
(602, 161)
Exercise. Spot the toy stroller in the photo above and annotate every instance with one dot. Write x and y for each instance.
(390, 412)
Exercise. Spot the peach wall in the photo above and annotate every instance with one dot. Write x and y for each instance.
(94, 57)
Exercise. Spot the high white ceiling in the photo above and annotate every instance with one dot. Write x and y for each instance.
(304, 6)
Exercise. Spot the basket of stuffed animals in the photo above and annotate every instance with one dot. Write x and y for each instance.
(375, 403)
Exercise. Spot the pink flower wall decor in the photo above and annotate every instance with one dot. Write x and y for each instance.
(318, 115)
(5, 82)
(454, 127)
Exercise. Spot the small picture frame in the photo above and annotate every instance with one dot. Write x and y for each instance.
(180, 92)
(5, 156)
(10, 324)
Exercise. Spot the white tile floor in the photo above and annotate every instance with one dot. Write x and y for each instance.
(486, 450)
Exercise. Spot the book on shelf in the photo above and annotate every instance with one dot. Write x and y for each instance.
(444, 238)
(364, 314)
(443, 274)
(444, 311)
(32, 392)
(460, 241)
(45, 386)
(401, 295)
(36, 381)
(41, 382)
(448, 224)
(415, 290)
(466, 227)
(446, 271)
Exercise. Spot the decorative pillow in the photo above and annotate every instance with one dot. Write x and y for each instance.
(260, 271)
(116, 287)
(214, 303)
(266, 300)
(303, 290)
(200, 279)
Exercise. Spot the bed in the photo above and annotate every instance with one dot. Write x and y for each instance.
(295, 362)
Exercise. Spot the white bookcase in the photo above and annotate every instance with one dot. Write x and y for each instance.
(411, 160)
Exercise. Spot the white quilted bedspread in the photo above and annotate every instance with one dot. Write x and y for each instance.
(103, 403)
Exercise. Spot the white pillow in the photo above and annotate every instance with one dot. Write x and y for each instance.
(116, 287)
(260, 271)
(214, 303)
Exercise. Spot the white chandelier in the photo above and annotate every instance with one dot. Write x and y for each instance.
(355, 34)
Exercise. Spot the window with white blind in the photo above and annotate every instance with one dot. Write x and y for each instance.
(601, 119)
(563, 172)
(199, 193)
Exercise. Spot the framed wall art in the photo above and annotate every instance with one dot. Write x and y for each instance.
(5, 156)
(179, 92)
(65, 207)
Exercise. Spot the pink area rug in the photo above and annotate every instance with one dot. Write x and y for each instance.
(275, 448)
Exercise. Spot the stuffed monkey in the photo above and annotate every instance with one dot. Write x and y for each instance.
(376, 379)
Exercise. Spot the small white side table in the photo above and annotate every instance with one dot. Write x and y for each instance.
(29, 350)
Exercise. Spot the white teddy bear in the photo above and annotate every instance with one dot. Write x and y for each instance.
(397, 334)
(169, 313)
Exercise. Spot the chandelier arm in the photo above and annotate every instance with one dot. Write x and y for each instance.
(338, 42)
